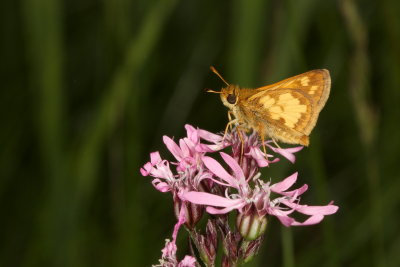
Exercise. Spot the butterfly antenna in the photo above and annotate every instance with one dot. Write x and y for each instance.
(212, 91)
(219, 75)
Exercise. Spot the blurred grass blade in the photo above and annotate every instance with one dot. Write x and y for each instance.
(112, 104)
(248, 19)
(44, 34)
(366, 119)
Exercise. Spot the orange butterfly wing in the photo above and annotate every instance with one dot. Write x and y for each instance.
(293, 104)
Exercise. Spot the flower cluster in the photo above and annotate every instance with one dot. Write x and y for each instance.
(199, 182)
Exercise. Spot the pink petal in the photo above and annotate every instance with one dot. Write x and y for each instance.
(155, 158)
(162, 170)
(285, 184)
(234, 166)
(212, 210)
(287, 152)
(173, 147)
(208, 136)
(192, 146)
(169, 250)
(310, 221)
(184, 147)
(282, 216)
(146, 169)
(209, 148)
(315, 210)
(203, 198)
(206, 148)
(274, 160)
(296, 192)
(189, 129)
(312, 210)
(218, 170)
(286, 220)
(219, 182)
(188, 261)
(294, 149)
(161, 186)
(259, 156)
(191, 133)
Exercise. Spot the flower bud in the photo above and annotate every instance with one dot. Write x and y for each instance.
(206, 244)
(250, 248)
(211, 238)
(193, 212)
(251, 225)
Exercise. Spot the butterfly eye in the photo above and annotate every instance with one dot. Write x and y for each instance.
(231, 99)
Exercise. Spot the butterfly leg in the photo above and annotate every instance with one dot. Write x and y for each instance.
(229, 124)
(261, 133)
(238, 129)
(264, 147)
(230, 113)
(276, 143)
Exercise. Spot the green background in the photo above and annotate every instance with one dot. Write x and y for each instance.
(88, 89)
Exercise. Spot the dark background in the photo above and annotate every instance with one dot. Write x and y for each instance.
(88, 89)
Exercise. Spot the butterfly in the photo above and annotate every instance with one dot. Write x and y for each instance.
(286, 111)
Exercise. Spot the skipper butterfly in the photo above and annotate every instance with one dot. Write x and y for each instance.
(285, 111)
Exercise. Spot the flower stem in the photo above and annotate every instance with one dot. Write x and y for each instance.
(287, 243)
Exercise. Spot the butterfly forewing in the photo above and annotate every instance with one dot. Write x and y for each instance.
(315, 83)
(294, 103)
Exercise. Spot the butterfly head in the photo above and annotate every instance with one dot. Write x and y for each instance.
(229, 94)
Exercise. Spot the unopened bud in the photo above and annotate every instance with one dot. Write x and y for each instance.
(193, 212)
(231, 245)
(211, 238)
(206, 244)
(251, 225)
(250, 248)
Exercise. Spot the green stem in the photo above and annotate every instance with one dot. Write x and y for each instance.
(287, 244)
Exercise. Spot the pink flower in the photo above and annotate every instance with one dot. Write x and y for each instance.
(286, 152)
(169, 259)
(186, 153)
(188, 261)
(198, 182)
(252, 148)
(189, 165)
(241, 196)
(189, 172)
(189, 155)
(159, 168)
